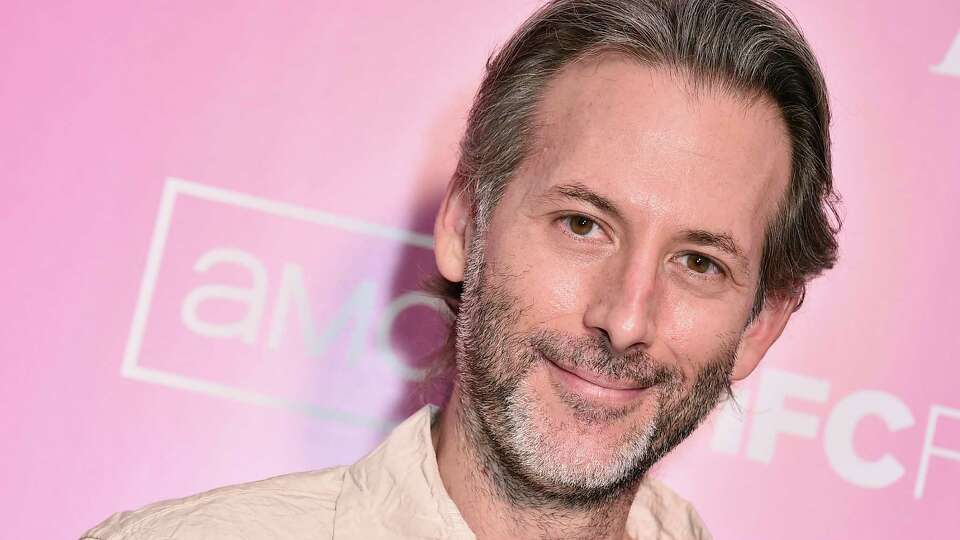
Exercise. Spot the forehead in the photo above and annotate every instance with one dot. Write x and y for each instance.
(664, 152)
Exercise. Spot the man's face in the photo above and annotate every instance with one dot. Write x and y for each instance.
(610, 301)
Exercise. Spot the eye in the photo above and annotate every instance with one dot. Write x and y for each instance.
(700, 264)
(581, 225)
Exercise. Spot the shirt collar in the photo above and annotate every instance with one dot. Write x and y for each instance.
(396, 490)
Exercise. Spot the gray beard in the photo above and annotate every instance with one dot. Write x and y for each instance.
(493, 359)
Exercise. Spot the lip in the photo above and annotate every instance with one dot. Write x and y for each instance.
(603, 382)
(596, 388)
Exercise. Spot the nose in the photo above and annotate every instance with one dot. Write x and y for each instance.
(624, 303)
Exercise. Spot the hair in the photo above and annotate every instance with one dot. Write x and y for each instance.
(750, 47)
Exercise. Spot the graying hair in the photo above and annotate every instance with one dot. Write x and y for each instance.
(750, 47)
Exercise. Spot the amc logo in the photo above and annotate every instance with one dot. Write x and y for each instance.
(279, 305)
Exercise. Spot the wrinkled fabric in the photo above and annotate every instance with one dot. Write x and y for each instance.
(394, 492)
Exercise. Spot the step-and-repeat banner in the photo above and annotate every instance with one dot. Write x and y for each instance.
(215, 218)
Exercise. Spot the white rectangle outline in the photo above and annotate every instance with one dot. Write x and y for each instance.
(171, 189)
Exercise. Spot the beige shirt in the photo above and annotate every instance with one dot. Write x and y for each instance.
(394, 492)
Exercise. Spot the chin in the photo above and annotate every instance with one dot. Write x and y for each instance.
(568, 441)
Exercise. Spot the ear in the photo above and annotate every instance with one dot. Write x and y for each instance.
(450, 234)
(762, 333)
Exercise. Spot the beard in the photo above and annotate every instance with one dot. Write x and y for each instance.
(533, 459)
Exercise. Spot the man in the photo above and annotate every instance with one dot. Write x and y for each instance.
(643, 190)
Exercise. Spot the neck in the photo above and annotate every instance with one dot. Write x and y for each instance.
(472, 482)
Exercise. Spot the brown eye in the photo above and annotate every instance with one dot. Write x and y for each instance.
(580, 225)
(700, 264)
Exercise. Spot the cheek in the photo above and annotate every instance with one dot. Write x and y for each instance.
(693, 328)
(564, 289)
(679, 321)
(550, 288)
(553, 294)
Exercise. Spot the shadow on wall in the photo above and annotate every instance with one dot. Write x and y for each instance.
(420, 332)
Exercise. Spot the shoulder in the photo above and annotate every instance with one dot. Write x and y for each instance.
(291, 505)
(659, 512)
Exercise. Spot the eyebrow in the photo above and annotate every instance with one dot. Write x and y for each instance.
(722, 241)
(580, 192)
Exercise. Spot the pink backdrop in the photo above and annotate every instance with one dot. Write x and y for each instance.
(214, 216)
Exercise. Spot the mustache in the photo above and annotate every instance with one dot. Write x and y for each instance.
(594, 353)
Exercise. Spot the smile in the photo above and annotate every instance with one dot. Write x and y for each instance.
(595, 388)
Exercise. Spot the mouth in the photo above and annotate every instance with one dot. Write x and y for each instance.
(595, 388)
